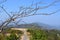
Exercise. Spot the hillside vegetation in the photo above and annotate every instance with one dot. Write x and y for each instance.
(34, 31)
(39, 34)
(9, 34)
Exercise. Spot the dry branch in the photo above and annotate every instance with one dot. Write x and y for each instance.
(26, 12)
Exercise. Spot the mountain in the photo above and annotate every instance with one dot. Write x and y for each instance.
(32, 25)
(46, 26)
(57, 27)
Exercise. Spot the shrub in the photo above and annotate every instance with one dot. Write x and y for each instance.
(1, 36)
(13, 36)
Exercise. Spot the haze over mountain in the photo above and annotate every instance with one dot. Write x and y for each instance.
(37, 25)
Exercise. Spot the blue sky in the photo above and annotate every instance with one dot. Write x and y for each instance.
(13, 5)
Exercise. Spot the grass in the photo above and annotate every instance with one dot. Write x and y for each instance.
(38, 34)
(13, 34)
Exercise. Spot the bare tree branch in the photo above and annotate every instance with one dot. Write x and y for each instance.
(5, 11)
(2, 1)
(26, 12)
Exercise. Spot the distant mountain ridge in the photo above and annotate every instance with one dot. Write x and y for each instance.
(37, 25)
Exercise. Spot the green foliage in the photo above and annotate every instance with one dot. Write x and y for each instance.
(14, 31)
(13, 36)
(38, 34)
(1, 36)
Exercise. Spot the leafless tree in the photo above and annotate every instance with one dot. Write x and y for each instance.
(25, 12)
